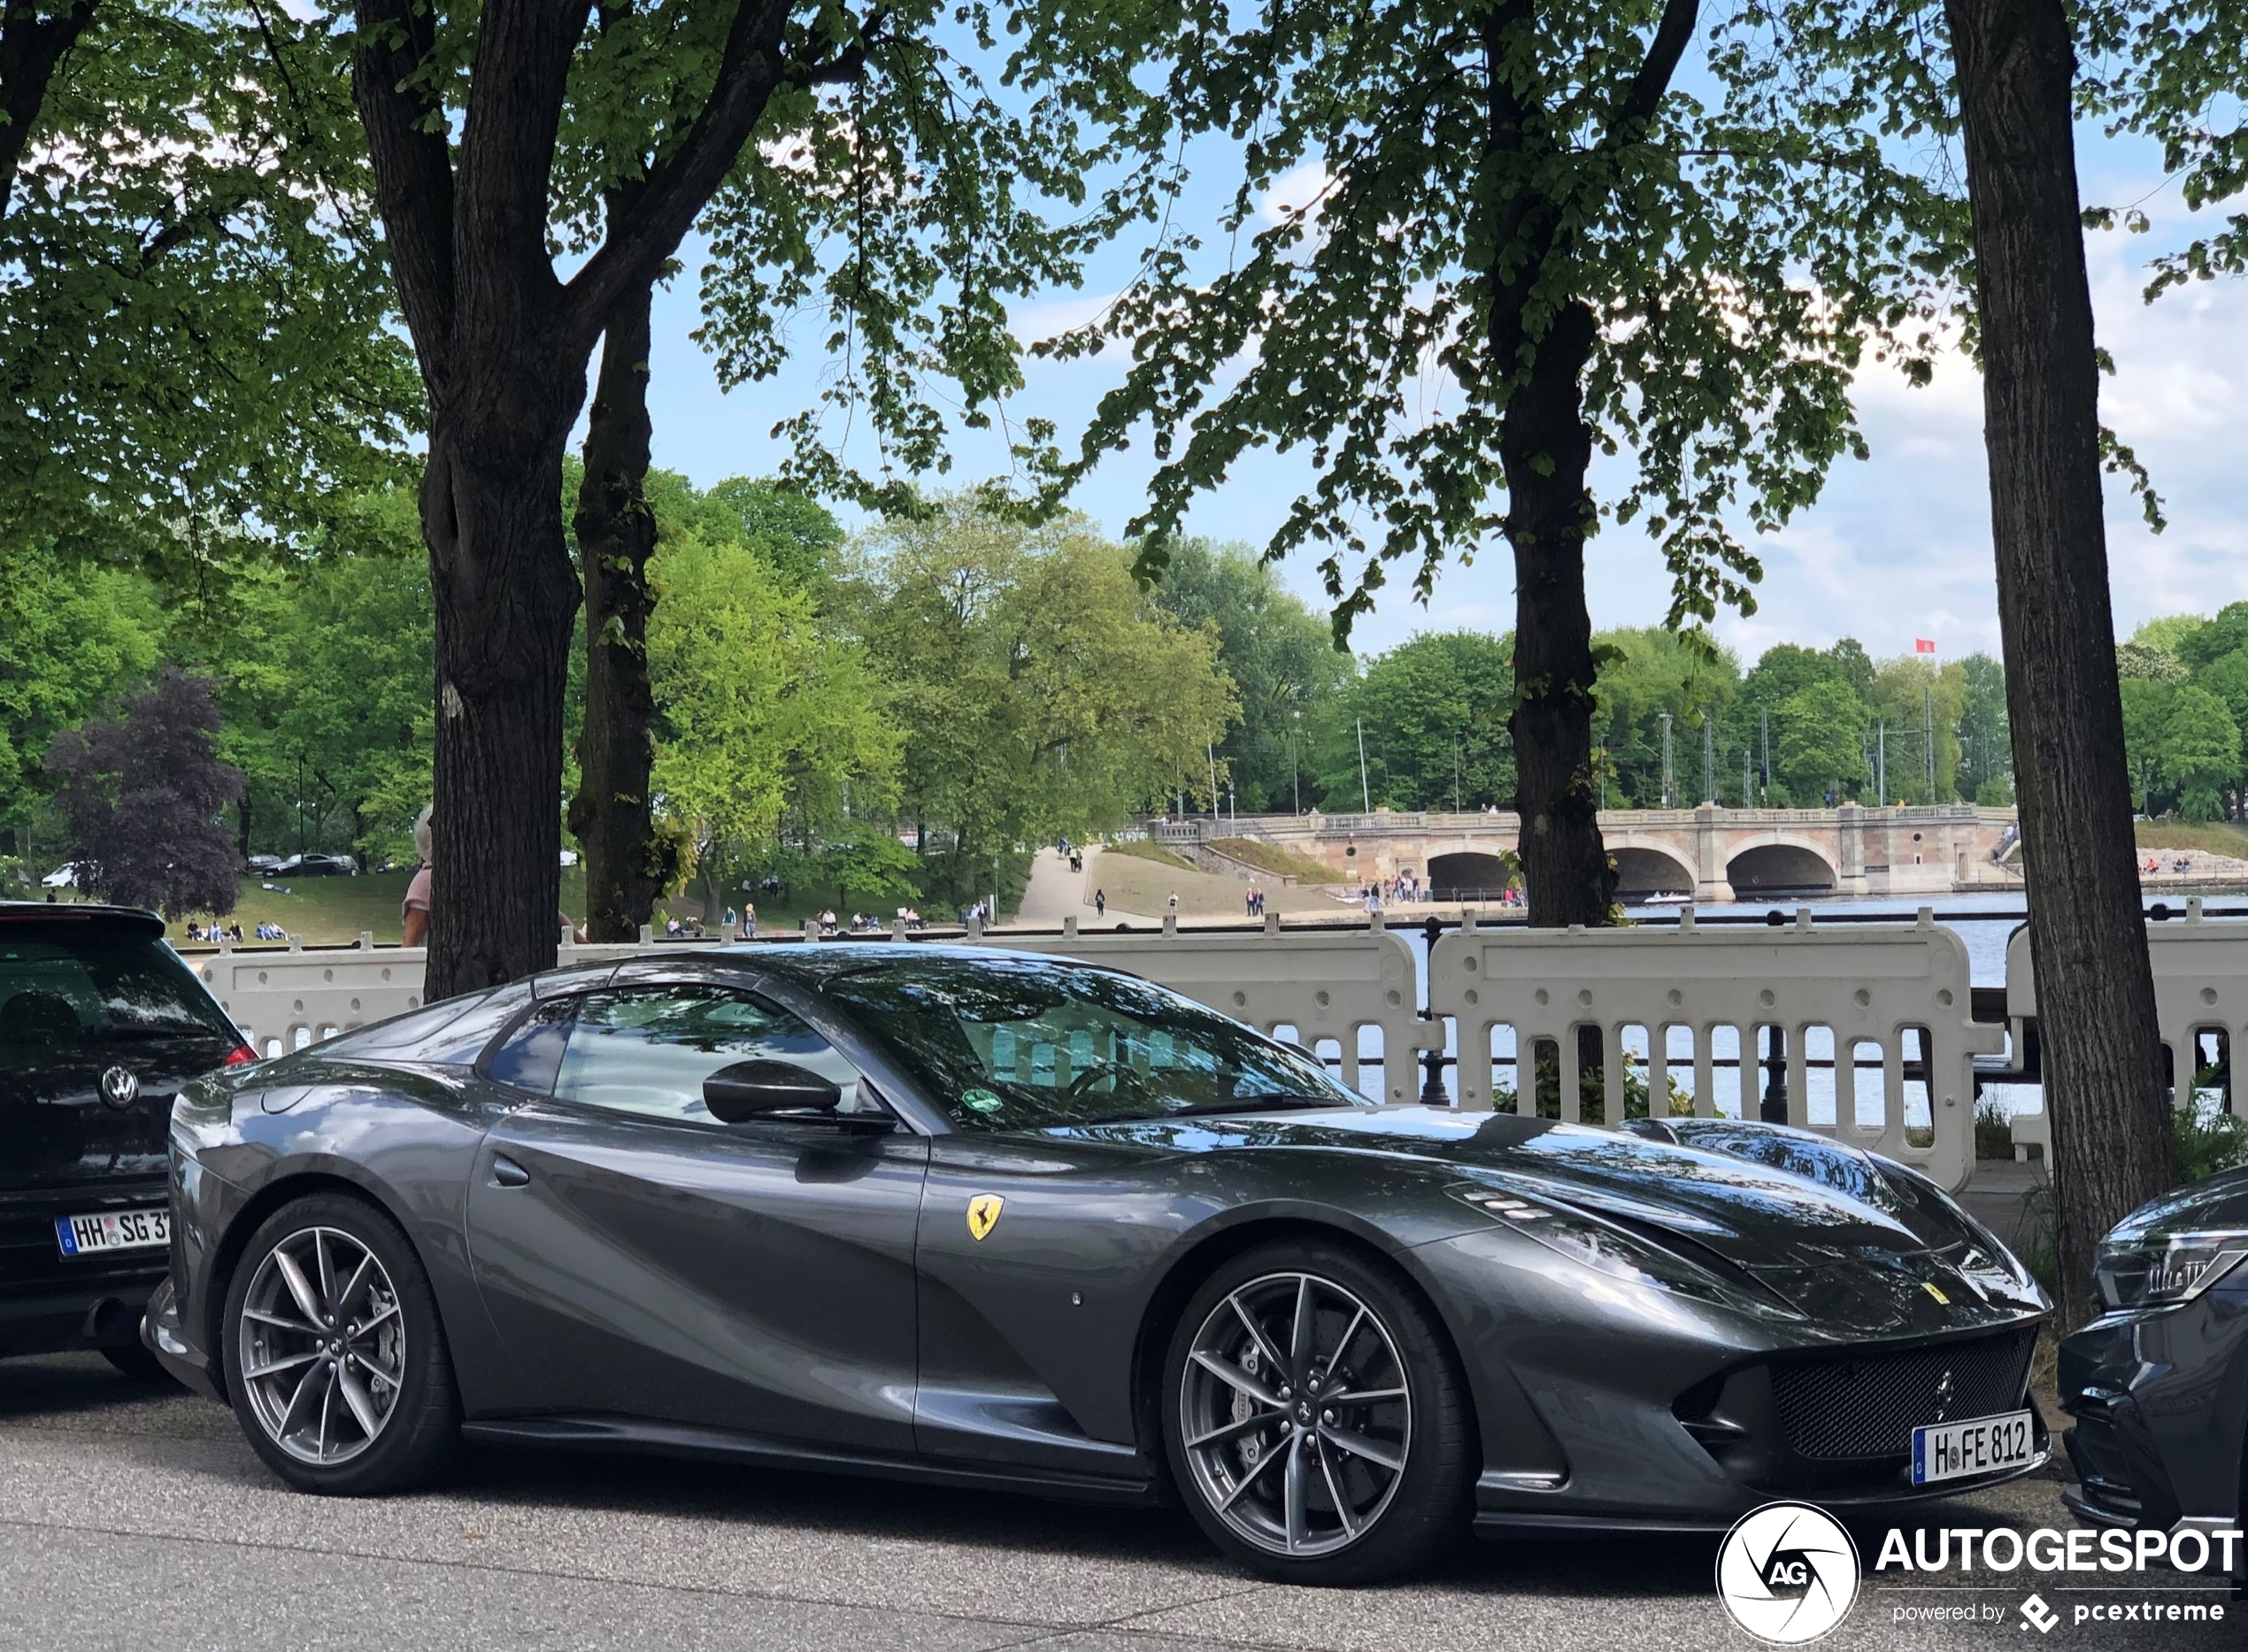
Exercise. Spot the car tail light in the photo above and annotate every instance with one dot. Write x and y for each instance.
(240, 1056)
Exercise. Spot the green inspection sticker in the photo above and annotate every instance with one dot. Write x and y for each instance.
(981, 1100)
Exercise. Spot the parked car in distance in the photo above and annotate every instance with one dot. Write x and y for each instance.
(100, 1025)
(2158, 1383)
(262, 864)
(317, 866)
(1017, 1222)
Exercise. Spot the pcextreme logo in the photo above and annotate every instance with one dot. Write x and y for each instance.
(1788, 1572)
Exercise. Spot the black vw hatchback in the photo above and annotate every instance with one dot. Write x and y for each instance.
(100, 1023)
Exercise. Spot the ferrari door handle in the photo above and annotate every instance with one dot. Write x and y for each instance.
(508, 1173)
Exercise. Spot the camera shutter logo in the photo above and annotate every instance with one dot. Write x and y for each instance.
(1788, 1573)
(119, 1088)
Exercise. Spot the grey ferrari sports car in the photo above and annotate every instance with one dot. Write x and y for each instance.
(1004, 1221)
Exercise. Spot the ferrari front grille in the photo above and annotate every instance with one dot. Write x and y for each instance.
(1849, 1406)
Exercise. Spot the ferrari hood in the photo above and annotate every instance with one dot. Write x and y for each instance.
(1840, 1234)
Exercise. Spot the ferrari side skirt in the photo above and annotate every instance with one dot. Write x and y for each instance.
(686, 1439)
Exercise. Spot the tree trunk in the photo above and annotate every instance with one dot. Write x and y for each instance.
(504, 596)
(2113, 1148)
(625, 869)
(1547, 448)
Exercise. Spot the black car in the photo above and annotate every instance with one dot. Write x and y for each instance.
(2158, 1385)
(100, 1025)
(316, 865)
(1014, 1222)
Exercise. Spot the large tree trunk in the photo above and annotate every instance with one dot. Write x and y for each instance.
(505, 594)
(2112, 1148)
(624, 869)
(1547, 450)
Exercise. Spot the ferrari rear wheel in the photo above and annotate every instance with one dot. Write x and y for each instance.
(336, 1361)
(1315, 1419)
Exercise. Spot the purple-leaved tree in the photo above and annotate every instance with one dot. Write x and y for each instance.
(142, 797)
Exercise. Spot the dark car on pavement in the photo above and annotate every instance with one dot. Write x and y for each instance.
(994, 1220)
(100, 1025)
(2158, 1383)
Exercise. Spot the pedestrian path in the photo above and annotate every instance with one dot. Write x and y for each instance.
(1056, 892)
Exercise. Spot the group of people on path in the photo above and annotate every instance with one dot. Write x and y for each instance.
(1253, 903)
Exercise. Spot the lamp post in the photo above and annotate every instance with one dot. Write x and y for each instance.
(1295, 775)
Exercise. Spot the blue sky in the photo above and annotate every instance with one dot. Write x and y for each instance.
(1898, 548)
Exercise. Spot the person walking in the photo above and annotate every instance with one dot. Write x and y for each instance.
(1100, 903)
(1174, 902)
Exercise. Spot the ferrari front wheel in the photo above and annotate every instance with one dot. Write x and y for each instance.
(1315, 1419)
(336, 1361)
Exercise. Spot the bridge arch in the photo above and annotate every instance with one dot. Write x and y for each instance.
(1777, 864)
(1468, 874)
(1651, 869)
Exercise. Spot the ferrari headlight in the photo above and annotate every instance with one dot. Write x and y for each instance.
(2157, 1270)
(1608, 1250)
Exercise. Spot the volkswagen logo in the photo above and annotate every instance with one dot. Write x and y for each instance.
(1787, 1573)
(119, 1088)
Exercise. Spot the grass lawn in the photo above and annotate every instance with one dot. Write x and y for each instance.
(1147, 849)
(1141, 885)
(333, 911)
(1281, 863)
(2218, 837)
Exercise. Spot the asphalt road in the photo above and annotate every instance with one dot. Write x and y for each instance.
(137, 1519)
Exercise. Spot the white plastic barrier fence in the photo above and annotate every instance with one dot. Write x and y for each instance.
(283, 999)
(1879, 1042)
(2200, 1003)
(1310, 985)
(1314, 985)
(1882, 1018)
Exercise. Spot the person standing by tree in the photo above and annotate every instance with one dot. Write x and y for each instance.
(413, 911)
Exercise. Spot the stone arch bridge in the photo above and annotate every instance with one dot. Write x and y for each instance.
(1707, 854)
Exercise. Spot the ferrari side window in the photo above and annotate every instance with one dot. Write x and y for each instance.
(646, 1050)
(530, 1054)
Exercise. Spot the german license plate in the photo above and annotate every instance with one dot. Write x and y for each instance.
(1950, 1451)
(113, 1230)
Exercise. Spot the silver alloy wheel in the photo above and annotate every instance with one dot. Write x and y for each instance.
(1293, 1369)
(322, 1346)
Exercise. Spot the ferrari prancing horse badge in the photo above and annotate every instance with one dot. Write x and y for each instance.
(984, 1214)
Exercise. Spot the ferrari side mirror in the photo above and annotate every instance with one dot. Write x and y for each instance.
(765, 1089)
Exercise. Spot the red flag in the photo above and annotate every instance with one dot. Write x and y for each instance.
(1923, 645)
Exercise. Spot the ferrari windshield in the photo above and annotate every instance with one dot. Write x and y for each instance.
(1014, 1043)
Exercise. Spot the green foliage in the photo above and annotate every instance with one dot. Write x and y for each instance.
(195, 327)
(1419, 185)
(2200, 750)
(1986, 756)
(1434, 712)
(1905, 689)
(1642, 675)
(2213, 639)
(2175, 72)
(1818, 741)
(764, 719)
(1041, 692)
(77, 636)
(1281, 659)
(2211, 1138)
